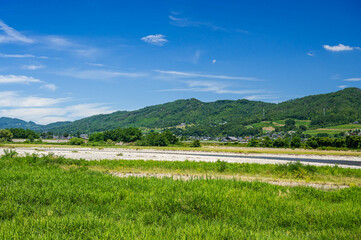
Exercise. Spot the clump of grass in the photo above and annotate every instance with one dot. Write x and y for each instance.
(9, 153)
(120, 154)
(221, 166)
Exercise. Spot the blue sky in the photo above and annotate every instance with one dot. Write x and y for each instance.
(65, 60)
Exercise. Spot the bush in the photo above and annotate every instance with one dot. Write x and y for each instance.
(76, 141)
(5, 135)
(295, 142)
(196, 143)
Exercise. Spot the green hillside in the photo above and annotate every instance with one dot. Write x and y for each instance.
(190, 112)
(223, 116)
(16, 123)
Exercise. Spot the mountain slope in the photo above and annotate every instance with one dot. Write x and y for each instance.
(191, 111)
(338, 107)
(6, 122)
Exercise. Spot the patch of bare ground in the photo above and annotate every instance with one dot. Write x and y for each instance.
(188, 177)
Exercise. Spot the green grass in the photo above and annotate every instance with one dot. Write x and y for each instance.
(41, 200)
(346, 126)
(334, 129)
(328, 131)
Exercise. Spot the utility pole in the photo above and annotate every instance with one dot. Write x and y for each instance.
(324, 112)
(263, 112)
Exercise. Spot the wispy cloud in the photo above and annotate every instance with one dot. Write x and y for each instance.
(190, 74)
(185, 22)
(59, 41)
(214, 61)
(210, 86)
(96, 64)
(352, 79)
(50, 86)
(99, 74)
(156, 39)
(340, 48)
(86, 110)
(6, 79)
(11, 35)
(311, 54)
(261, 97)
(46, 110)
(32, 67)
(14, 99)
(342, 86)
(21, 56)
(196, 56)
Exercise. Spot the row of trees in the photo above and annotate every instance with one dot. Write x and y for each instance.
(158, 139)
(120, 134)
(128, 135)
(350, 142)
(24, 133)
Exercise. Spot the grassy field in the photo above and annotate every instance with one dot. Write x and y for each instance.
(334, 129)
(56, 198)
(279, 123)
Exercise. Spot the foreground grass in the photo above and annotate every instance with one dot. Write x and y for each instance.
(39, 199)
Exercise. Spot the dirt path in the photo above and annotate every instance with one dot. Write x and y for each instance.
(324, 186)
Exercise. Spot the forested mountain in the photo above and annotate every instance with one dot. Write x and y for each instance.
(332, 108)
(191, 111)
(343, 106)
(6, 122)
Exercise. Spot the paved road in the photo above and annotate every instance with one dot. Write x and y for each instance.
(148, 154)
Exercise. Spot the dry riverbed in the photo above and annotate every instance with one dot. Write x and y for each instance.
(161, 155)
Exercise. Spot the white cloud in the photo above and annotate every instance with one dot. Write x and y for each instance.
(352, 79)
(58, 41)
(214, 61)
(340, 48)
(196, 56)
(11, 35)
(157, 39)
(32, 67)
(50, 86)
(21, 56)
(188, 74)
(16, 55)
(99, 74)
(14, 99)
(260, 97)
(210, 86)
(17, 79)
(342, 86)
(46, 110)
(96, 64)
(86, 110)
(311, 54)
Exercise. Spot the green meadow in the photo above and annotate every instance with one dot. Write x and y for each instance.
(51, 197)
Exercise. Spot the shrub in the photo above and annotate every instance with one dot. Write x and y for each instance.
(5, 135)
(76, 141)
(196, 143)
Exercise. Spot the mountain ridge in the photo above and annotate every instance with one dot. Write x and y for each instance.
(340, 106)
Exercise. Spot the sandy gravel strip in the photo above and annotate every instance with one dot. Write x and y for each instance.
(161, 155)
